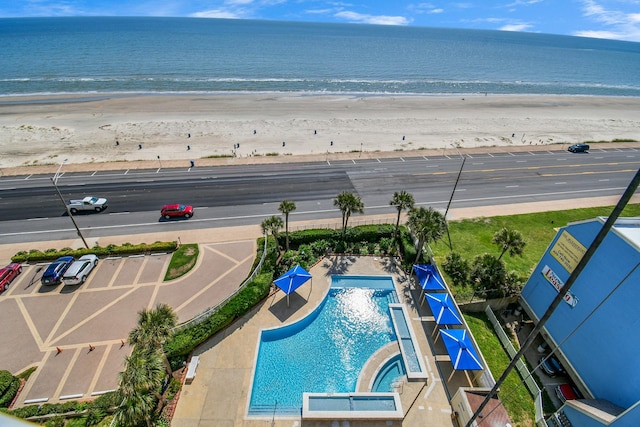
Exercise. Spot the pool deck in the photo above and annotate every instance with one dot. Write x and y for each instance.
(219, 393)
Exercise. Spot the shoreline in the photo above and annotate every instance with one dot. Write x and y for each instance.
(114, 128)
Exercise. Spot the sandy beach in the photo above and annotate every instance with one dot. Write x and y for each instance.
(178, 128)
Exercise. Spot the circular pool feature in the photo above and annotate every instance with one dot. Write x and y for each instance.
(325, 351)
(391, 372)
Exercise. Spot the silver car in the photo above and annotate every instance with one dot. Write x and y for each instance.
(78, 271)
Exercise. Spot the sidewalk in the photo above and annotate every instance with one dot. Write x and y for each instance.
(228, 234)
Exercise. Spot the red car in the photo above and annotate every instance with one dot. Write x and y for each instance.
(176, 211)
(567, 392)
(8, 273)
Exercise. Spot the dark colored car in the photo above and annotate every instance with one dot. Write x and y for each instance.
(567, 392)
(54, 272)
(176, 211)
(8, 273)
(579, 148)
(551, 365)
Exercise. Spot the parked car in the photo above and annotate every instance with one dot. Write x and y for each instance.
(8, 273)
(88, 204)
(567, 392)
(176, 211)
(578, 148)
(79, 270)
(54, 272)
(551, 365)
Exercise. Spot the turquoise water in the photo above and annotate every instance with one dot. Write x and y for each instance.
(325, 352)
(179, 55)
(391, 372)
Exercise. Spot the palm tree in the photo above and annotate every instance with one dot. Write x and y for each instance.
(286, 207)
(402, 201)
(154, 328)
(428, 225)
(272, 225)
(348, 203)
(139, 385)
(509, 240)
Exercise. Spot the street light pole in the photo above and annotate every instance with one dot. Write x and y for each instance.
(54, 180)
(452, 193)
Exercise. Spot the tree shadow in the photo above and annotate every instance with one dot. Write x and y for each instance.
(338, 264)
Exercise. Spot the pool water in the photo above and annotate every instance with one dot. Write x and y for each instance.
(325, 351)
(390, 373)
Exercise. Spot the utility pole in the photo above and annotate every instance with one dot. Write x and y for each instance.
(633, 185)
(452, 193)
(54, 180)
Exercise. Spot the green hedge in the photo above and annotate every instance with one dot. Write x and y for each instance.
(35, 255)
(9, 386)
(106, 403)
(5, 381)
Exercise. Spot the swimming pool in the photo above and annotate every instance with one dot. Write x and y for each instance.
(392, 371)
(325, 351)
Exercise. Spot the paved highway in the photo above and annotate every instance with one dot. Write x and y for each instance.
(30, 209)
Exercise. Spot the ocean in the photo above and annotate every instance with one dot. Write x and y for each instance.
(87, 55)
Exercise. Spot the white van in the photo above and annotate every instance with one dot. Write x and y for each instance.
(78, 271)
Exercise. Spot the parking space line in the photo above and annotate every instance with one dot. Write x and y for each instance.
(99, 369)
(153, 296)
(115, 274)
(29, 321)
(140, 270)
(97, 313)
(61, 318)
(67, 372)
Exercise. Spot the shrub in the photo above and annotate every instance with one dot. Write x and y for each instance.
(6, 378)
(9, 393)
(457, 268)
(125, 249)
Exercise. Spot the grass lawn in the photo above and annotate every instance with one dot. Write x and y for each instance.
(514, 394)
(471, 237)
(182, 261)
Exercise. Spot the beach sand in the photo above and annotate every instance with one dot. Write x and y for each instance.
(170, 130)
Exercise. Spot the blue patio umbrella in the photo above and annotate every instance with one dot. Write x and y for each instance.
(443, 309)
(460, 348)
(292, 280)
(429, 277)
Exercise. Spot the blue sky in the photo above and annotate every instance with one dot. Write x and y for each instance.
(612, 19)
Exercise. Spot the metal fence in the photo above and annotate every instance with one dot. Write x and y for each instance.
(520, 366)
(212, 310)
(336, 225)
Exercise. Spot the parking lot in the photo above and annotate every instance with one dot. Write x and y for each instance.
(76, 335)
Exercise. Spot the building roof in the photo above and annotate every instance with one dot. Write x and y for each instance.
(628, 229)
(493, 414)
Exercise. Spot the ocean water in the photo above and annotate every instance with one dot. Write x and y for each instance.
(189, 55)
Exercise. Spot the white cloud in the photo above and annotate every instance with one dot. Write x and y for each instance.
(237, 2)
(372, 19)
(619, 25)
(437, 10)
(523, 3)
(217, 13)
(515, 27)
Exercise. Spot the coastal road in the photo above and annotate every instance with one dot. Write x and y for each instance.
(222, 196)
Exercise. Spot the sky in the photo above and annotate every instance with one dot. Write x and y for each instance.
(610, 19)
